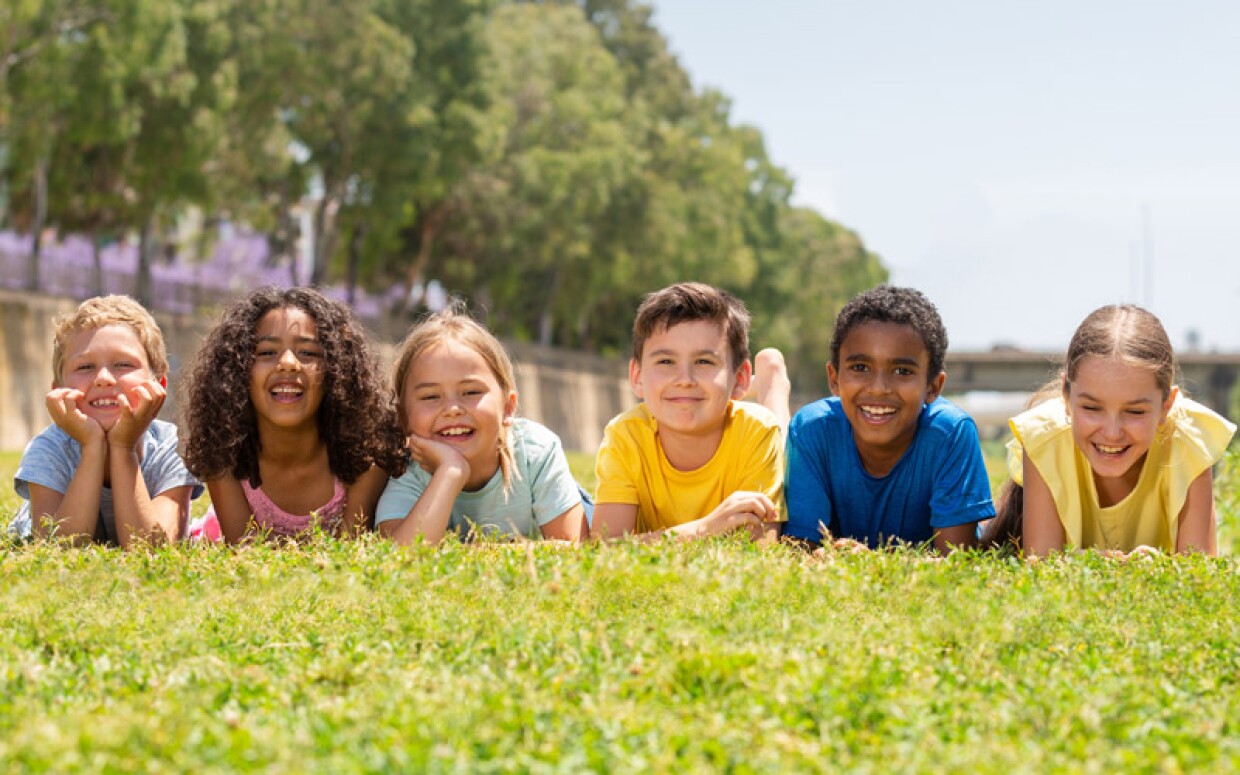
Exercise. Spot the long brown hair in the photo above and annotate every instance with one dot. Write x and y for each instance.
(1124, 332)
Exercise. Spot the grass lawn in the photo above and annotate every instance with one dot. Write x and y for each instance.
(362, 657)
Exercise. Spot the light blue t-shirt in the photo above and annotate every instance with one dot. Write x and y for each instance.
(52, 457)
(542, 489)
(940, 481)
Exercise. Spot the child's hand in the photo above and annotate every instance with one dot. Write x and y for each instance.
(433, 455)
(139, 406)
(62, 405)
(742, 509)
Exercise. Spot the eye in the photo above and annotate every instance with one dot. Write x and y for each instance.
(304, 354)
(265, 352)
(84, 367)
(1136, 412)
(705, 362)
(1091, 408)
(472, 391)
(859, 368)
(663, 361)
(903, 371)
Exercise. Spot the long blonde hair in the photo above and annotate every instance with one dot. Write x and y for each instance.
(455, 324)
(1122, 331)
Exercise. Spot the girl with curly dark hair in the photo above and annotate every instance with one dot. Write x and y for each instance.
(289, 421)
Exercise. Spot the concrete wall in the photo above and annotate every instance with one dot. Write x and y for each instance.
(574, 394)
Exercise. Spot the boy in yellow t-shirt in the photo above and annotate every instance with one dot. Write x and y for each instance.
(691, 460)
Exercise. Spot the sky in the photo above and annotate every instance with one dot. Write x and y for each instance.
(1021, 163)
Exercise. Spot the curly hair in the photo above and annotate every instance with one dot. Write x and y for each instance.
(690, 302)
(903, 306)
(356, 419)
(103, 311)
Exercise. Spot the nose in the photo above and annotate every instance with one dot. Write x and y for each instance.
(104, 376)
(684, 374)
(1113, 427)
(288, 361)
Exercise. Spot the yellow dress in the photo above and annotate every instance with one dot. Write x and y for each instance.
(1191, 440)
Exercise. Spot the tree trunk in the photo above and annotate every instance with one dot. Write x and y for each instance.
(96, 251)
(428, 229)
(142, 280)
(324, 235)
(36, 231)
(546, 321)
(355, 261)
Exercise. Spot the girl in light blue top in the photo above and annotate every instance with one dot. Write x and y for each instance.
(479, 469)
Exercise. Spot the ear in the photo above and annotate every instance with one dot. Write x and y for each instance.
(935, 388)
(635, 377)
(833, 379)
(401, 419)
(744, 375)
(1166, 407)
(510, 407)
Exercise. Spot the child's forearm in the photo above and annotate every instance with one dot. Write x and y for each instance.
(135, 514)
(431, 513)
(76, 515)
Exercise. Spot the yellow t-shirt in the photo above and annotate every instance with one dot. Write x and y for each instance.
(1191, 440)
(632, 468)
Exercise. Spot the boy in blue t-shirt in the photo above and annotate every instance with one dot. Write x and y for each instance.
(886, 459)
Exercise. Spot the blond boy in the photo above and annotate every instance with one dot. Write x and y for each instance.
(691, 460)
(106, 470)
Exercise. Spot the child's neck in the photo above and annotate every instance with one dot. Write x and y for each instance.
(1113, 489)
(690, 452)
(879, 461)
(289, 447)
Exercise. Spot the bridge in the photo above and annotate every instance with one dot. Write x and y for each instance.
(1207, 377)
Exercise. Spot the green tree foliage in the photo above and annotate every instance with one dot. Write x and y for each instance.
(549, 160)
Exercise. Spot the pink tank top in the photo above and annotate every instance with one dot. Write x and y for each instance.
(272, 518)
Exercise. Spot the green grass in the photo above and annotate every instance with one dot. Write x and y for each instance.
(699, 657)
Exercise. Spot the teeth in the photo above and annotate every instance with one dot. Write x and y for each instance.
(878, 409)
(456, 432)
(1109, 450)
(102, 402)
(289, 389)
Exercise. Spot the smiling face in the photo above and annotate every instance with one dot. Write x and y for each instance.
(1115, 409)
(103, 363)
(686, 380)
(286, 380)
(450, 395)
(883, 381)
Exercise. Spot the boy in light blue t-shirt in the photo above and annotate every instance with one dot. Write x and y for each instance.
(106, 470)
(886, 459)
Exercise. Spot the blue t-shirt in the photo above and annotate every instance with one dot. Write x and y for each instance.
(940, 481)
(52, 457)
(542, 489)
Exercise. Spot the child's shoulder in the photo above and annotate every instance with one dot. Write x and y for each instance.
(824, 411)
(533, 436)
(632, 420)
(943, 418)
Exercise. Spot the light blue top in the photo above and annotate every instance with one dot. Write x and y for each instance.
(542, 489)
(940, 481)
(52, 457)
